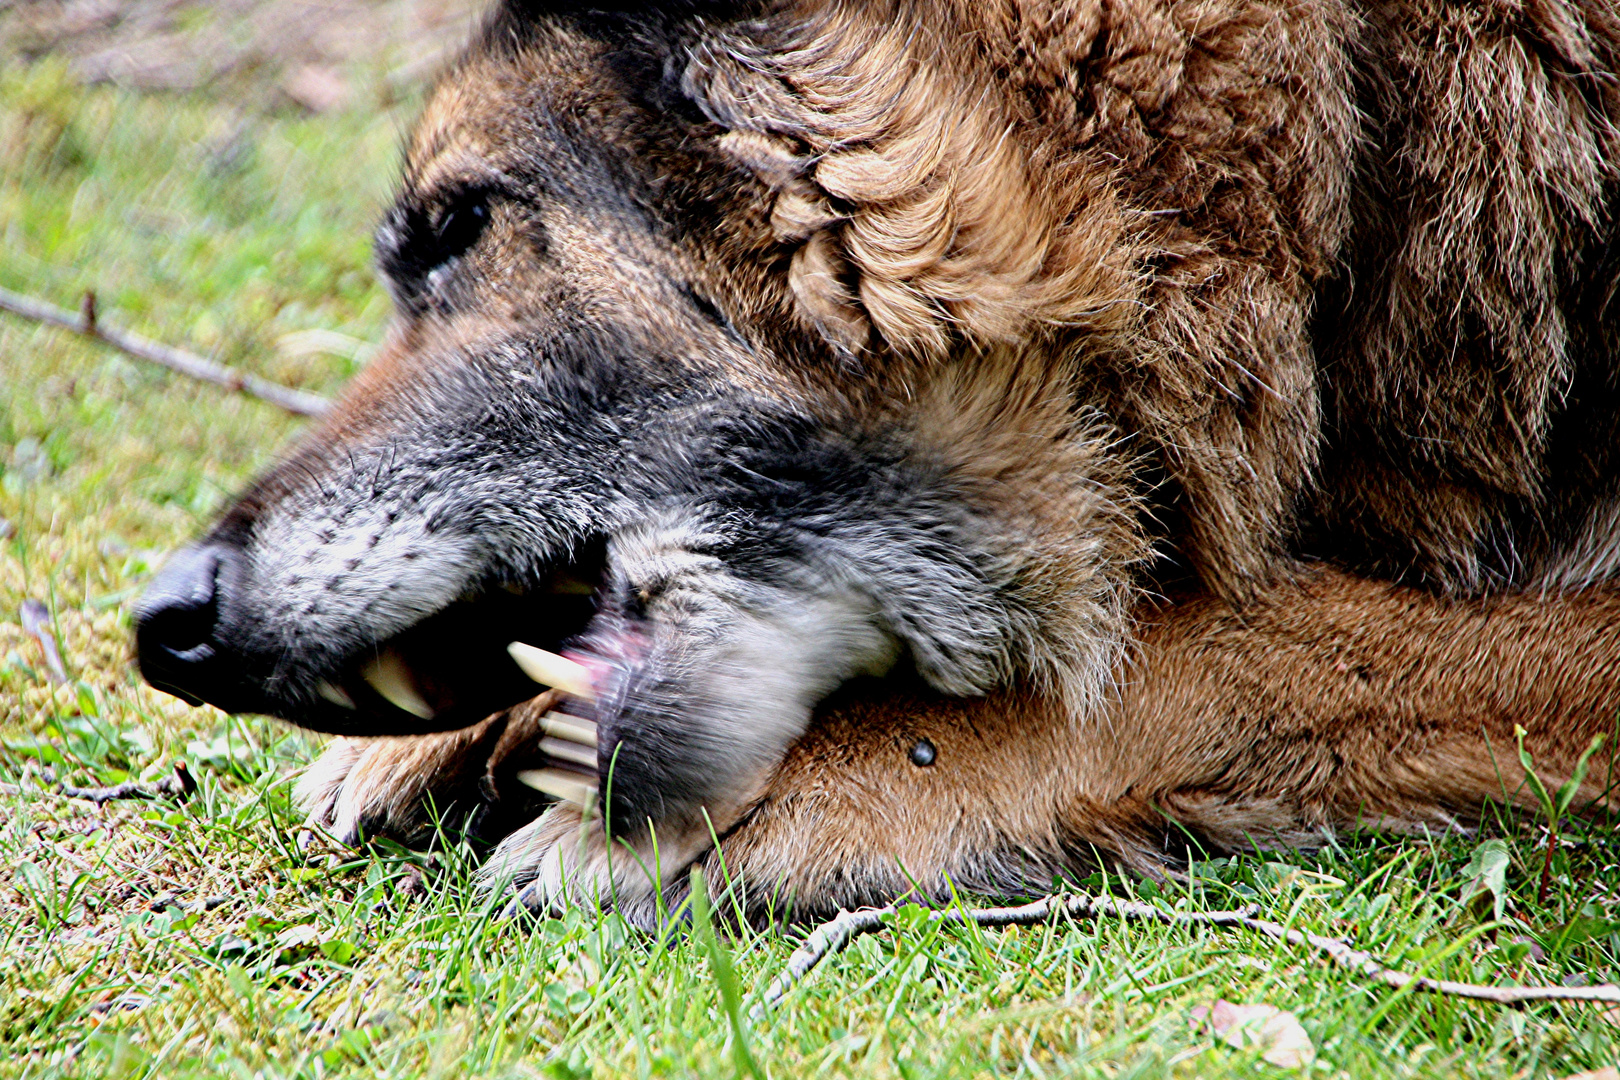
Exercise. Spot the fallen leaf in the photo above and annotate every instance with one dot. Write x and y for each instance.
(36, 622)
(30, 461)
(318, 89)
(1611, 1073)
(1242, 1026)
(1536, 952)
(1485, 878)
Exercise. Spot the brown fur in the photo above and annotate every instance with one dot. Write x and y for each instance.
(1165, 218)
(1264, 224)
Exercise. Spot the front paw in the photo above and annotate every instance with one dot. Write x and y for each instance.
(567, 857)
(405, 788)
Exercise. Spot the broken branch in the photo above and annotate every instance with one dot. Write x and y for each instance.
(86, 322)
(178, 785)
(834, 936)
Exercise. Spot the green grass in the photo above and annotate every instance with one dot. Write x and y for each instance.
(188, 939)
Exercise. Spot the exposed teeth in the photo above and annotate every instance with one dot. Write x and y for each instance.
(559, 785)
(571, 728)
(563, 750)
(549, 669)
(334, 693)
(390, 676)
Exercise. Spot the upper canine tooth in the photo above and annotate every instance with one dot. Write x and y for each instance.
(549, 669)
(559, 785)
(572, 728)
(334, 693)
(391, 677)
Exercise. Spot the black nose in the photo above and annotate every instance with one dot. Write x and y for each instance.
(175, 624)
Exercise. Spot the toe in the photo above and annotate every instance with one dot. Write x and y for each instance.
(319, 788)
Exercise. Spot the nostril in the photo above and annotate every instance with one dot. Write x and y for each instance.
(183, 631)
(178, 614)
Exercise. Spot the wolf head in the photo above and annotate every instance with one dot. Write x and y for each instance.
(654, 400)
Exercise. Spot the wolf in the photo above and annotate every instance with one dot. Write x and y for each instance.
(870, 449)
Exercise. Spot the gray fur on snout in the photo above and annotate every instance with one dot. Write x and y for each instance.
(325, 573)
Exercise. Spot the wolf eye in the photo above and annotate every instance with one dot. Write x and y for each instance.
(415, 241)
(460, 226)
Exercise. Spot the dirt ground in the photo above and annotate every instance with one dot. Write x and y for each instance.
(308, 54)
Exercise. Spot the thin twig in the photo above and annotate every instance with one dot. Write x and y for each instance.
(180, 785)
(86, 322)
(163, 901)
(832, 937)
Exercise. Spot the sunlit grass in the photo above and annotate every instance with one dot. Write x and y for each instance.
(189, 939)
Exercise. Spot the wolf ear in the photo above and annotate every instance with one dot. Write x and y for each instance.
(512, 25)
(522, 14)
(920, 213)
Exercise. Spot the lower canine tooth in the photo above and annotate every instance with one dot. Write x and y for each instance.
(571, 728)
(549, 669)
(390, 676)
(334, 693)
(559, 785)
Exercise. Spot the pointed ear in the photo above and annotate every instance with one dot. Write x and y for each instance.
(920, 212)
(514, 18)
